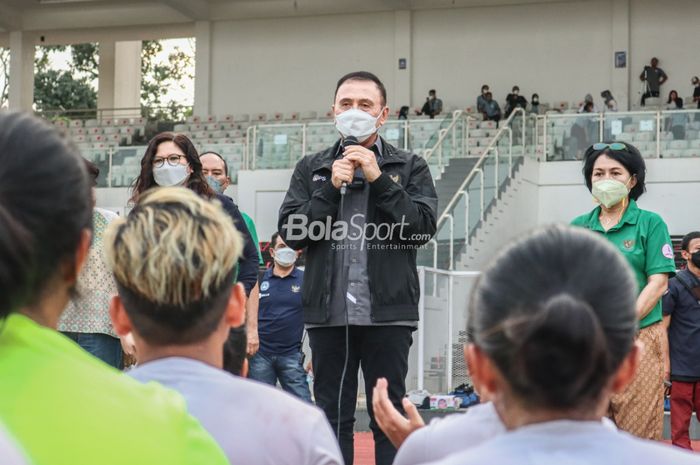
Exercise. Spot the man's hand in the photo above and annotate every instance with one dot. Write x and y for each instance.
(365, 159)
(253, 341)
(395, 426)
(342, 171)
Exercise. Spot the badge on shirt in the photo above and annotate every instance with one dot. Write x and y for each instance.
(667, 251)
(264, 286)
(628, 244)
(318, 177)
(396, 178)
(296, 288)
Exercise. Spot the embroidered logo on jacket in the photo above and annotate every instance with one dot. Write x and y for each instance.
(396, 178)
(296, 288)
(318, 177)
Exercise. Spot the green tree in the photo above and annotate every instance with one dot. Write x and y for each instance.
(157, 79)
(63, 90)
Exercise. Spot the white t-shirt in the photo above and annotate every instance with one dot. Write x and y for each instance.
(450, 434)
(566, 442)
(253, 423)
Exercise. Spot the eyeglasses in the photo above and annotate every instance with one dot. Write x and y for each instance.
(173, 160)
(613, 146)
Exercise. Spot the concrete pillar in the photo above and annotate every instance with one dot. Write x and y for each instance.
(402, 50)
(105, 86)
(120, 79)
(202, 67)
(620, 77)
(21, 72)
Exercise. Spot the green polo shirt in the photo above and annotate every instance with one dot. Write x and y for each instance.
(66, 407)
(642, 237)
(253, 234)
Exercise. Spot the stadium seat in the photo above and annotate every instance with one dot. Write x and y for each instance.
(261, 117)
(308, 115)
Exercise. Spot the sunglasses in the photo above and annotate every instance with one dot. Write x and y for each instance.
(613, 146)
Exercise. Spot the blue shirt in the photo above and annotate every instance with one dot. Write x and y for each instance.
(280, 313)
(684, 330)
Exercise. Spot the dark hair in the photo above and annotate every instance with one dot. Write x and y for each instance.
(607, 95)
(685, 242)
(630, 158)
(273, 240)
(43, 210)
(559, 331)
(535, 96)
(92, 170)
(432, 91)
(235, 349)
(196, 181)
(672, 99)
(516, 88)
(363, 76)
(211, 152)
(485, 86)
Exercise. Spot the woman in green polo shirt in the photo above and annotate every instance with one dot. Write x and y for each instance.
(614, 174)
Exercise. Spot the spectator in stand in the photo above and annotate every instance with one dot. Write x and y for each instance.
(492, 112)
(588, 106)
(432, 106)
(281, 324)
(678, 120)
(696, 90)
(86, 319)
(550, 347)
(62, 405)
(514, 100)
(653, 78)
(481, 99)
(614, 174)
(178, 297)
(681, 308)
(215, 169)
(610, 103)
(535, 104)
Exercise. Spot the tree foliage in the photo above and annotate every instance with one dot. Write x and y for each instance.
(59, 89)
(158, 78)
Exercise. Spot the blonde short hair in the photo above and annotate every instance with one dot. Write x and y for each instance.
(174, 259)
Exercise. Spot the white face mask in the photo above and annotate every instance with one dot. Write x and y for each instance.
(356, 123)
(609, 192)
(285, 256)
(166, 175)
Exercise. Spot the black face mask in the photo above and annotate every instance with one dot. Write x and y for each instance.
(695, 258)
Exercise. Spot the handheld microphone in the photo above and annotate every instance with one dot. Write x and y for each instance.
(347, 142)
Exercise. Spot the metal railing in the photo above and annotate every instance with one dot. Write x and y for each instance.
(657, 134)
(487, 168)
(441, 312)
(110, 113)
(282, 145)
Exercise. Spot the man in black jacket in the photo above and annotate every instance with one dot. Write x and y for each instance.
(360, 292)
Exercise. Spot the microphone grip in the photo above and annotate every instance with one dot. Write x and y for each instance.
(343, 188)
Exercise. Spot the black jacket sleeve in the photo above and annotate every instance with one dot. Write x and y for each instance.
(248, 263)
(302, 204)
(416, 204)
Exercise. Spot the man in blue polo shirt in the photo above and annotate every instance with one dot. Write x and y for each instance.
(281, 324)
(681, 308)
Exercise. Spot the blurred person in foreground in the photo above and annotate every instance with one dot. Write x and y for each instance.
(550, 347)
(62, 405)
(178, 298)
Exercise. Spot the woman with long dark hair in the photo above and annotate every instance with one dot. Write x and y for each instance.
(171, 159)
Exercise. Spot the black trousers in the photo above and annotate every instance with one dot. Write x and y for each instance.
(381, 352)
